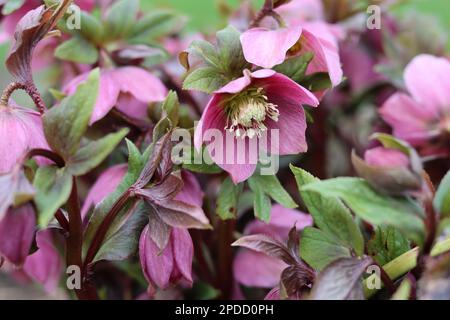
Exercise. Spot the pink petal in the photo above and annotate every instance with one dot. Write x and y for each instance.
(326, 54)
(17, 234)
(254, 269)
(259, 45)
(408, 119)
(106, 183)
(45, 265)
(191, 193)
(141, 84)
(383, 157)
(427, 78)
(183, 252)
(299, 11)
(132, 107)
(273, 294)
(156, 265)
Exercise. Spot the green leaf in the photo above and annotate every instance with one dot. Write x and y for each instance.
(387, 244)
(261, 202)
(377, 209)
(330, 214)
(171, 108)
(231, 55)
(156, 24)
(124, 242)
(205, 165)
(94, 152)
(77, 50)
(11, 5)
(319, 249)
(65, 125)
(227, 201)
(205, 79)
(442, 199)
(136, 162)
(317, 82)
(53, 186)
(120, 18)
(273, 188)
(92, 29)
(295, 68)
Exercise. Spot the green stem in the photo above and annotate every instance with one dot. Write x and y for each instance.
(405, 263)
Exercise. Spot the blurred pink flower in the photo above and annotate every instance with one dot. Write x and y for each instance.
(45, 266)
(249, 108)
(21, 130)
(106, 183)
(423, 114)
(130, 89)
(258, 45)
(17, 234)
(386, 158)
(299, 11)
(254, 269)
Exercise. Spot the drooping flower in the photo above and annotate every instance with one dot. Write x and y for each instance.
(245, 111)
(21, 130)
(255, 269)
(169, 263)
(17, 234)
(45, 265)
(258, 46)
(423, 116)
(130, 89)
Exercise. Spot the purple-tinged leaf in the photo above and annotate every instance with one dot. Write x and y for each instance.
(293, 241)
(165, 191)
(158, 231)
(341, 280)
(178, 214)
(31, 29)
(267, 245)
(295, 279)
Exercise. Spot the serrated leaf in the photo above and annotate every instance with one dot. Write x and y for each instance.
(53, 186)
(77, 50)
(65, 125)
(205, 79)
(94, 152)
(319, 249)
(377, 209)
(442, 199)
(273, 188)
(227, 201)
(330, 214)
(387, 244)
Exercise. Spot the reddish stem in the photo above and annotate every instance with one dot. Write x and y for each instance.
(57, 159)
(29, 88)
(225, 259)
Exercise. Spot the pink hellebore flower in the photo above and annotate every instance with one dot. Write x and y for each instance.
(247, 110)
(258, 45)
(254, 269)
(173, 263)
(45, 265)
(21, 130)
(130, 89)
(423, 114)
(17, 234)
(299, 11)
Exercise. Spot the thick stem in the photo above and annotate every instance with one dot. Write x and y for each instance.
(75, 240)
(265, 11)
(385, 278)
(225, 259)
(57, 159)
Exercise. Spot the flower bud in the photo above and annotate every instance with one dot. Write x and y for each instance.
(390, 170)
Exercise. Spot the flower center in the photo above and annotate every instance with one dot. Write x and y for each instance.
(247, 112)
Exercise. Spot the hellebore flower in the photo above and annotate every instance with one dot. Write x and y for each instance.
(21, 130)
(299, 11)
(130, 89)
(166, 253)
(258, 45)
(390, 170)
(422, 117)
(245, 111)
(45, 265)
(17, 233)
(169, 266)
(256, 269)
